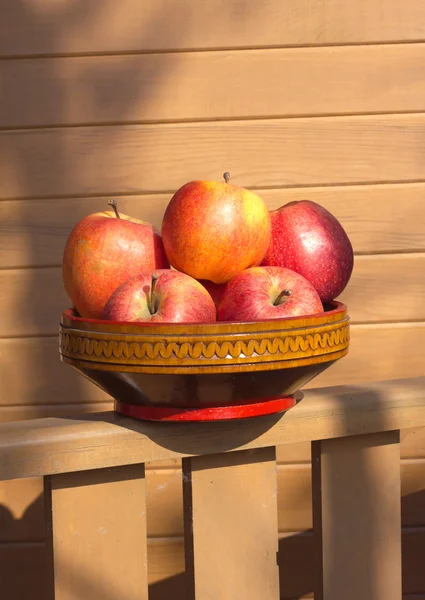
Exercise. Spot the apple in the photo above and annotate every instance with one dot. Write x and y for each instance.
(262, 293)
(215, 290)
(308, 239)
(102, 251)
(212, 230)
(165, 296)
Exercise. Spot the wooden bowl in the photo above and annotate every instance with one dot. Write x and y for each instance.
(196, 371)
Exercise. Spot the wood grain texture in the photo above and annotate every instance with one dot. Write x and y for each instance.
(50, 446)
(412, 440)
(356, 517)
(34, 411)
(99, 534)
(48, 381)
(159, 87)
(33, 233)
(37, 27)
(232, 554)
(51, 382)
(393, 285)
(155, 158)
(370, 294)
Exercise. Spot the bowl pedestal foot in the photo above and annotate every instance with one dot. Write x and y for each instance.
(214, 413)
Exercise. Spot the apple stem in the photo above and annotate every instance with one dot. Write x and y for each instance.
(281, 296)
(115, 207)
(151, 303)
(226, 176)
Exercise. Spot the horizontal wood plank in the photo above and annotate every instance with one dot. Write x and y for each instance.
(369, 294)
(377, 218)
(382, 288)
(51, 446)
(259, 153)
(38, 27)
(159, 87)
(377, 352)
(412, 440)
(41, 411)
(31, 373)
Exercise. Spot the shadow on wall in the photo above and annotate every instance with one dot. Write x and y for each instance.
(45, 385)
(296, 560)
(46, 380)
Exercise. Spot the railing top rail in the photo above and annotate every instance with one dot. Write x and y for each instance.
(58, 445)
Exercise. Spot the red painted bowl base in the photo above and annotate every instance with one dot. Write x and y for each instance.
(216, 413)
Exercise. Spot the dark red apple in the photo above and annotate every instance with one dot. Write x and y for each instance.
(262, 293)
(102, 251)
(164, 296)
(308, 239)
(215, 290)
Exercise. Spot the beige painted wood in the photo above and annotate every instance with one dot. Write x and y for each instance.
(49, 446)
(99, 534)
(155, 158)
(294, 453)
(377, 352)
(394, 286)
(413, 443)
(47, 380)
(69, 26)
(166, 568)
(165, 503)
(386, 288)
(28, 411)
(356, 516)
(21, 512)
(377, 218)
(158, 87)
(230, 504)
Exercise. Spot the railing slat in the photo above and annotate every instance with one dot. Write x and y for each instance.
(356, 517)
(231, 529)
(98, 524)
(47, 446)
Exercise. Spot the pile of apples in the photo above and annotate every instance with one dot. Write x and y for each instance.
(221, 256)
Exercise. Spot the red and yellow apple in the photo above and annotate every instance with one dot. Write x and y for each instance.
(262, 293)
(308, 239)
(213, 230)
(102, 251)
(165, 296)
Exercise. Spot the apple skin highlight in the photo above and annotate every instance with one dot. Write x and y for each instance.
(308, 239)
(213, 230)
(101, 252)
(262, 293)
(176, 298)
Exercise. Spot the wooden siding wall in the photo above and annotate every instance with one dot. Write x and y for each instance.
(319, 99)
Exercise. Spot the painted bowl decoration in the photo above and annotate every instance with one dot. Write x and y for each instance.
(223, 370)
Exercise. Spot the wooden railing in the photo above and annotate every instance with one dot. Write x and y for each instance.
(93, 469)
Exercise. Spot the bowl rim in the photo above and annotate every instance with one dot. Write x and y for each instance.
(335, 311)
